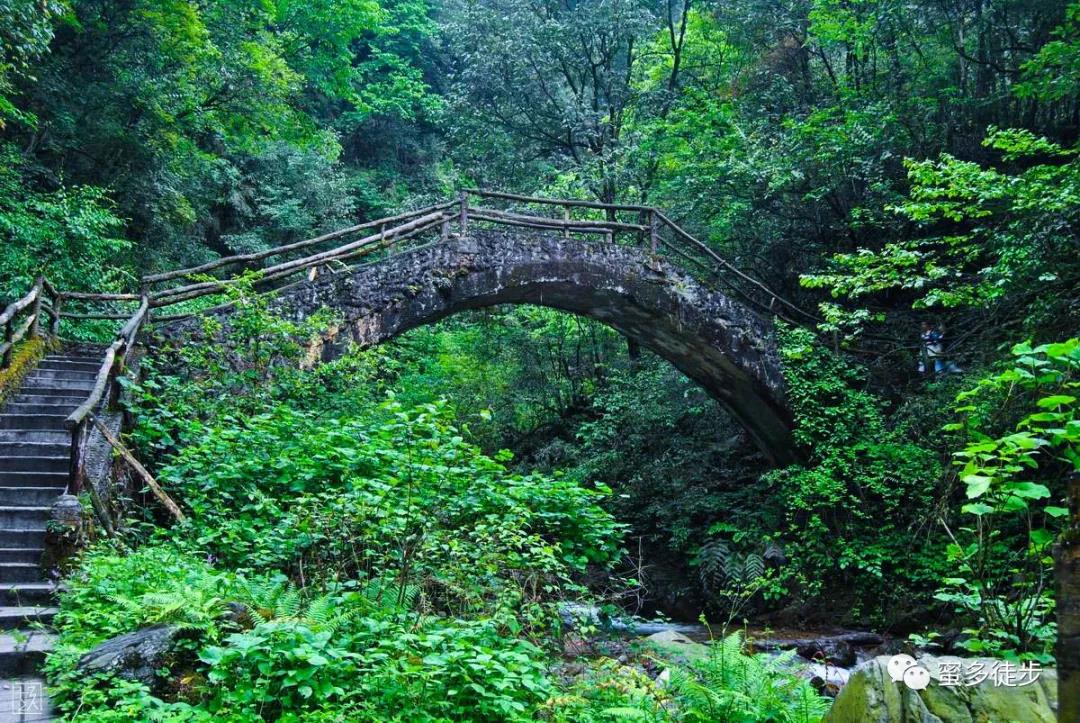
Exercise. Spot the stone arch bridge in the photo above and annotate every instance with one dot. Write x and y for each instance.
(628, 266)
(715, 340)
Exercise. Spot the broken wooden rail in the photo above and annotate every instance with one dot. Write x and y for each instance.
(163, 497)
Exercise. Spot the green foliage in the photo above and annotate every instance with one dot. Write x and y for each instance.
(216, 126)
(727, 684)
(339, 652)
(843, 143)
(506, 372)
(274, 667)
(1013, 478)
(401, 492)
(460, 670)
(1053, 73)
(61, 232)
(866, 493)
(114, 592)
(26, 27)
(1003, 231)
(608, 692)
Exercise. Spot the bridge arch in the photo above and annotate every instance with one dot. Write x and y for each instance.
(714, 340)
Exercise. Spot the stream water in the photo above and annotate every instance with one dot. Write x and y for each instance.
(826, 655)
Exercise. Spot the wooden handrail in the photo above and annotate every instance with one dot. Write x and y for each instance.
(184, 293)
(124, 339)
(49, 288)
(98, 391)
(259, 255)
(557, 201)
(111, 317)
(391, 238)
(17, 335)
(7, 319)
(491, 214)
(580, 227)
(81, 295)
(162, 495)
(12, 309)
(727, 265)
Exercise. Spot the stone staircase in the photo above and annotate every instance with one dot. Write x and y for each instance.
(34, 460)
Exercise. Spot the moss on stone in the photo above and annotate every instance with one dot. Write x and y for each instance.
(24, 358)
(871, 696)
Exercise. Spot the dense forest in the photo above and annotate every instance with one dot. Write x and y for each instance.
(403, 527)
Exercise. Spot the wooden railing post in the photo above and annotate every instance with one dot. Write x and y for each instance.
(444, 229)
(36, 309)
(75, 461)
(9, 334)
(1067, 579)
(654, 231)
(463, 219)
(566, 217)
(54, 328)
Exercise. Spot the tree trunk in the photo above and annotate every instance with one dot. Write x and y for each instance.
(1067, 554)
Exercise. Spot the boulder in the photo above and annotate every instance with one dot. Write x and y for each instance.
(676, 646)
(871, 696)
(837, 651)
(135, 656)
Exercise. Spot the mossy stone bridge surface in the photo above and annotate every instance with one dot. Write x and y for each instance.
(719, 342)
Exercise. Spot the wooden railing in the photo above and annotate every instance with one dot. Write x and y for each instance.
(41, 299)
(652, 229)
(645, 226)
(106, 391)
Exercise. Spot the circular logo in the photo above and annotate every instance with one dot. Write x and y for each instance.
(917, 677)
(905, 668)
(898, 664)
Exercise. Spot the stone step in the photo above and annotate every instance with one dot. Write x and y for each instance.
(31, 537)
(26, 593)
(72, 365)
(36, 444)
(21, 554)
(73, 400)
(78, 375)
(58, 463)
(23, 654)
(21, 436)
(18, 617)
(29, 496)
(21, 572)
(79, 354)
(36, 407)
(56, 389)
(22, 518)
(33, 479)
(54, 422)
(81, 351)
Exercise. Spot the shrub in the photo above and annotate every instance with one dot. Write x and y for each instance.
(865, 493)
(399, 492)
